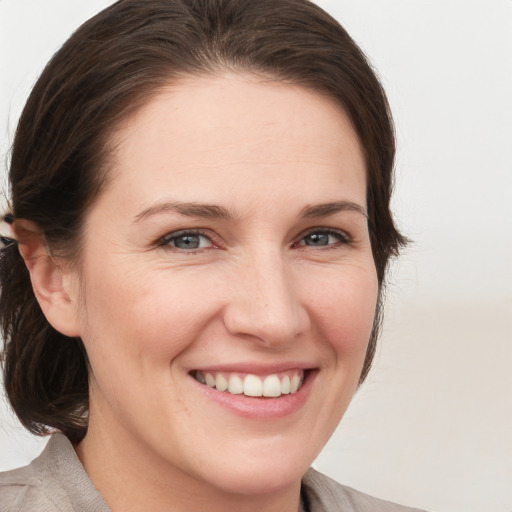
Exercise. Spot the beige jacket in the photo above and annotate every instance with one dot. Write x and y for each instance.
(57, 481)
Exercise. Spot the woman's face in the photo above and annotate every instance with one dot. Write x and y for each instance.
(230, 248)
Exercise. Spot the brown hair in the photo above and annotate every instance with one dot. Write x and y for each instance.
(105, 71)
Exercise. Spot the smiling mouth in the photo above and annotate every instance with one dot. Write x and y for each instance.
(268, 386)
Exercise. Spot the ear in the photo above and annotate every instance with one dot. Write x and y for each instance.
(53, 287)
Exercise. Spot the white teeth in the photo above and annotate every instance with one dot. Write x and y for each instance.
(221, 383)
(294, 384)
(272, 386)
(235, 386)
(210, 380)
(285, 385)
(253, 386)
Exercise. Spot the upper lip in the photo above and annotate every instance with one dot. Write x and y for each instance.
(256, 368)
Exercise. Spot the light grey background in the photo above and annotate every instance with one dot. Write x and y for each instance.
(432, 427)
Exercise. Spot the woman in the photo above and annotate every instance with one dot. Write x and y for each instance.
(200, 233)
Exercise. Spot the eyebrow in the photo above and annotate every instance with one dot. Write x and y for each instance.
(208, 211)
(326, 209)
(213, 211)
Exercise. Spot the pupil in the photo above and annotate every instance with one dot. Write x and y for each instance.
(317, 239)
(187, 242)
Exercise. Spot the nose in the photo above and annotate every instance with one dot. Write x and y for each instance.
(264, 302)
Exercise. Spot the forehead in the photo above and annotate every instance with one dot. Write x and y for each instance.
(238, 131)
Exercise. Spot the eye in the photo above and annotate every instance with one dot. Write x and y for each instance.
(187, 240)
(324, 238)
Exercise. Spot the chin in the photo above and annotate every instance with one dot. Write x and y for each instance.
(261, 470)
(259, 479)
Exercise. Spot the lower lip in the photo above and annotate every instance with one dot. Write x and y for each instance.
(261, 408)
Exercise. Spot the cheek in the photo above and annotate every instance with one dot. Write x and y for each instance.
(141, 316)
(345, 310)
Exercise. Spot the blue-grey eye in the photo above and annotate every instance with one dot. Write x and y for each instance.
(188, 241)
(323, 238)
(316, 239)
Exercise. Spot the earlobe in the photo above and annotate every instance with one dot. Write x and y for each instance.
(49, 282)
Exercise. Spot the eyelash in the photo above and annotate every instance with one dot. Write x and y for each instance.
(167, 239)
(343, 239)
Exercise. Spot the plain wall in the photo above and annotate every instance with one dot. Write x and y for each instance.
(432, 426)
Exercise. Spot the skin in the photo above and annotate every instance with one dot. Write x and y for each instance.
(253, 294)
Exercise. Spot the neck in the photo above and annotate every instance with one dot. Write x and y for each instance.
(130, 477)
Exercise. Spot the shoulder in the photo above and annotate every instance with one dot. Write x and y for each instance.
(326, 495)
(26, 488)
(54, 481)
